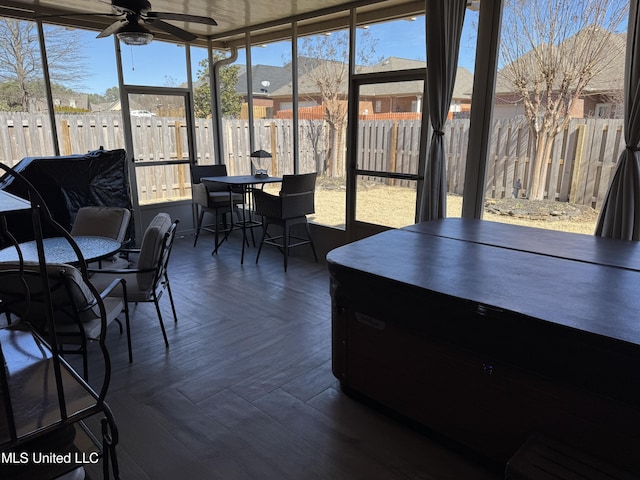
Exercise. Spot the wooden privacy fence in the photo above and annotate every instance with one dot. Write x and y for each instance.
(579, 170)
(390, 146)
(276, 137)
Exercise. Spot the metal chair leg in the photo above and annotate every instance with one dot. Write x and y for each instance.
(285, 241)
(173, 307)
(164, 332)
(264, 236)
(198, 227)
(313, 248)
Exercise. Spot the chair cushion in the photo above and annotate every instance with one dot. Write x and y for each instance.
(134, 292)
(56, 272)
(222, 198)
(92, 326)
(111, 222)
(151, 247)
(79, 291)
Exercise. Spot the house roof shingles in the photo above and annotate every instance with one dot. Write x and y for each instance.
(275, 76)
(307, 84)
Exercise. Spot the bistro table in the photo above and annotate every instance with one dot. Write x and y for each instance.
(59, 250)
(246, 183)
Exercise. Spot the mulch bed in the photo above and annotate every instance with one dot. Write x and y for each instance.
(539, 209)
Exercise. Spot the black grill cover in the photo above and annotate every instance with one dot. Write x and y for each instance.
(99, 177)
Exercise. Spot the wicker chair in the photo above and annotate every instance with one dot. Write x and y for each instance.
(214, 198)
(291, 207)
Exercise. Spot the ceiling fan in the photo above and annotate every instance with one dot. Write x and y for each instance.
(137, 15)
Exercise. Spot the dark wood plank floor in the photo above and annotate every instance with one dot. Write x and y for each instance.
(245, 390)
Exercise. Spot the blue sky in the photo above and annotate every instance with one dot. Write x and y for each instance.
(162, 64)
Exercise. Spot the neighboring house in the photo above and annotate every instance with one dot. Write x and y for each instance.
(602, 98)
(462, 90)
(384, 98)
(115, 107)
(407, 96)
(74, 100)
(375, 99)
(106, 107)
(309, 94)
(69, 100)
(265, 79)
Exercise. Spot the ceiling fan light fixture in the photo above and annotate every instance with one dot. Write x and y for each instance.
(135, 34)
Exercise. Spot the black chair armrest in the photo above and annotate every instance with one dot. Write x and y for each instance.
(129, 250)
(267, 205)
(121, 271)
(297, 194)
(117, 282)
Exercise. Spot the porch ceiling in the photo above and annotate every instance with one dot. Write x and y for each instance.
(267, 19)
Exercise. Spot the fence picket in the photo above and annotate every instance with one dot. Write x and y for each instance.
(611, 152)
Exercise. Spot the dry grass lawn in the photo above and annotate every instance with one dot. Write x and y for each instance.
(394, 207)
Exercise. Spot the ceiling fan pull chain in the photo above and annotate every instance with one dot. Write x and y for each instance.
(133, 67)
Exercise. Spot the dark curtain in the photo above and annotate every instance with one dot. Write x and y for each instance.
(444, 28)
(620, 214)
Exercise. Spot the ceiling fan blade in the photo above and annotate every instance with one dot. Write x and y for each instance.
(113, 28)
(172, 29)
(180, 17)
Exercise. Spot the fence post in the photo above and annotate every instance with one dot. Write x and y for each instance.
(577, 167)
(181, 187)
(274, 148)
(393, 152)
(65, 130)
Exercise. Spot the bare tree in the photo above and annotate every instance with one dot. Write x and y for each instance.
(551, 52)
(21, 59)
(314, 132)
(324, 69)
